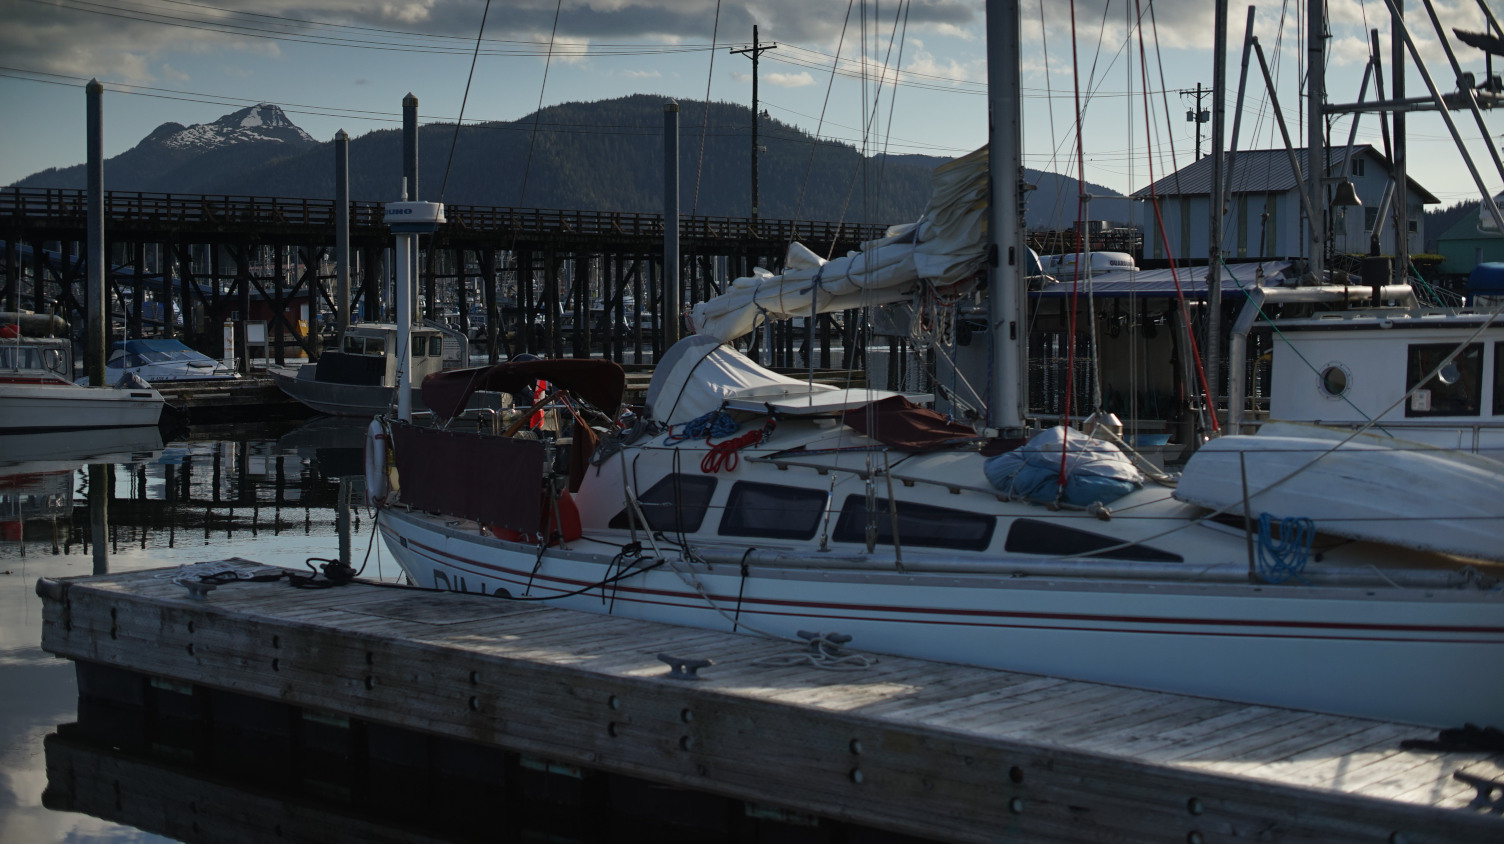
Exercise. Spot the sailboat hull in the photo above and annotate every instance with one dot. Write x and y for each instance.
(1409, 655)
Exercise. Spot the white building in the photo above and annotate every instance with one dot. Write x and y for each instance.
(1265, 217)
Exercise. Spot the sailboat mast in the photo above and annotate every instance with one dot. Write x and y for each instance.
(1217, 208)
(1316, 133)
(1007, 258)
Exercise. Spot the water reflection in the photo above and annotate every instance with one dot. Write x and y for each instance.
(82, 502)
(78, 770)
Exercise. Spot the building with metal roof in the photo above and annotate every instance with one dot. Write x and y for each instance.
(1469, 243)
(1265, 218)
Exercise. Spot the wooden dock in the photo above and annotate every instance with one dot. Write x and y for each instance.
(242, 399)
(926, 749)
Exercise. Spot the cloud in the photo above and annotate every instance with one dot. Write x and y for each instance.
(789, 80)
(923, 63)
(406, 12)
(134, 49)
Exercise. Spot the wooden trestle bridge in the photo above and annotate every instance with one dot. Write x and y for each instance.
(544, 281)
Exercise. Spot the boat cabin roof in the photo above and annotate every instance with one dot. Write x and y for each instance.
(1466, 320)
(381, 329)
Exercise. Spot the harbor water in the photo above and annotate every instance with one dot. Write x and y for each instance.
(121, 501)
(266, 495)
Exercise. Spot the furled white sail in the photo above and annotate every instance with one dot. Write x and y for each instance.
(945, 248)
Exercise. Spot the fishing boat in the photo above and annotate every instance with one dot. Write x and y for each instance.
(359, 376)
(161, 359)
(1366, 369)
(739, 499)
(37, 392)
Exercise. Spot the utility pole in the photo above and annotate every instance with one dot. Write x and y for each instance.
(1197, 115)
(757, 49)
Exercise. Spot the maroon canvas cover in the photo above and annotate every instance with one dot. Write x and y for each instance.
(906, 426)
(489, 479)
(600, 382)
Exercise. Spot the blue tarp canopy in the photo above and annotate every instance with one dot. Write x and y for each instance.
(1161, 283)
(1487, 279)
(141, 347)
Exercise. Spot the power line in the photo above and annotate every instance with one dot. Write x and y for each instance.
(792, 134)
(389, 40)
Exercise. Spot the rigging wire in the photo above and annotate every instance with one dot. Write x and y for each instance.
(455, 142)
(538, 112)
(869, 119)
(694, 208)
(1070, 353)
(814, 139)
(1195, 351)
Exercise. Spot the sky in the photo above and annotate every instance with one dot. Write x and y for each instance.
(914, 73)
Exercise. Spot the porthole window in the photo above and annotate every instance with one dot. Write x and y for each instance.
(1334, 380)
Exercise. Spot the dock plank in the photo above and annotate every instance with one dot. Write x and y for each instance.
(928, 749)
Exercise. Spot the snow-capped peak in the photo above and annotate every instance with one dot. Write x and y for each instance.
(263, 114)
(257, 123)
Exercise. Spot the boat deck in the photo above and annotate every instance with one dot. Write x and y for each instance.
(923, 748)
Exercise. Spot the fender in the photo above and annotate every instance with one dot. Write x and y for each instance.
(378, 444)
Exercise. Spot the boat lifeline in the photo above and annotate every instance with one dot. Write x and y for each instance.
(743, 500)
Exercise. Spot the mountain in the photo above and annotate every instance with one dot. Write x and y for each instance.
(600, 156)
(193, 159)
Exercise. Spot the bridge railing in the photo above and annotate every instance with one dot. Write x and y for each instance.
(59, 205)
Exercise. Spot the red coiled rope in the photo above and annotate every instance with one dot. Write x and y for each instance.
(723, 455)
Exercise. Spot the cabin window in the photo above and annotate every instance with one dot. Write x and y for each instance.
(1457, 390)
(918, 525)
(1032, 536)
(1499, 379)
(772, 511)
(31, 357)
(436, 347)
(677, 503)
(354, 345)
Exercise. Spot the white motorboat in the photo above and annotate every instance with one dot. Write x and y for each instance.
(37, 392)
(161, 360)
(747, 501)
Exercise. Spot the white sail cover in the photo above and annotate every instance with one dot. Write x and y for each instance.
(1367, 487)
(697, 375)
(945, 247)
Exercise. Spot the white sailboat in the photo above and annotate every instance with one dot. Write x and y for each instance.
(744, 500)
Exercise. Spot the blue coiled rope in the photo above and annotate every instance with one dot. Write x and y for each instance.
(716, 423)
(1286, 558)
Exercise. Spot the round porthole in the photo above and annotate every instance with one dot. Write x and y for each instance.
(1335, 379)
